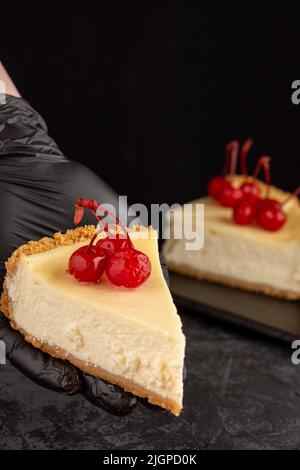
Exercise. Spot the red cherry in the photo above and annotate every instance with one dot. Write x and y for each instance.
(128, 268)
(229, 196)
(113, 243)
(251, 191)
(124, 265)
(244, 212)
(271, 217)
(87, 264)
(267, 202)
(215, 185)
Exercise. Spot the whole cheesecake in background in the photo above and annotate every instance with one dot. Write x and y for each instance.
(244, 256)
(130, 337)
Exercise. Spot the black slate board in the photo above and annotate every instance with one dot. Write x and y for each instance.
(274, 317)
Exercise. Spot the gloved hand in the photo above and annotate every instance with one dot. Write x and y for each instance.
(61, 376)
(38, 187)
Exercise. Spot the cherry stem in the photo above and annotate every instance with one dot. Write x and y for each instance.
(92, 241)
(93, 206)
(228, 158)
(294, 194)
(234, 156)
(244, 153)
(106, 212)
(265, 162)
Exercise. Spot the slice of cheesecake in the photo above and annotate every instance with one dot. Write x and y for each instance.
(247, 257)
(130, 337)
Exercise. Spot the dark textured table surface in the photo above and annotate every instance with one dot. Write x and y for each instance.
(242, 392)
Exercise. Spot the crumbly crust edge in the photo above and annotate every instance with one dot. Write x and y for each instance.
(128, 385)
(71, 237)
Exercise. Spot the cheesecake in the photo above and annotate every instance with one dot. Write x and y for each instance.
(246, 257)
(129, 337)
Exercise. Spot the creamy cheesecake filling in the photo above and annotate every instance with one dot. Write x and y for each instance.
(242, 259)
(133, 333)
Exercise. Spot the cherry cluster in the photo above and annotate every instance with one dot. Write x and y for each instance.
(246, 200)
(114, 254)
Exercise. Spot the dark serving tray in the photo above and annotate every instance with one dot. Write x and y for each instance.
(274, 317)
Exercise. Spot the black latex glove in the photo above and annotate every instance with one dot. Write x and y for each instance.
(38, 187)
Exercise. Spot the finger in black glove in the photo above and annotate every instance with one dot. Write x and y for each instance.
(61, 376)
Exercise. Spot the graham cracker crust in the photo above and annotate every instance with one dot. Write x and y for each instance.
(71, 237)
(127, 385)
(235, 283)
(45, 244)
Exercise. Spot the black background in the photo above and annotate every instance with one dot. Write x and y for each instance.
(148, 96)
